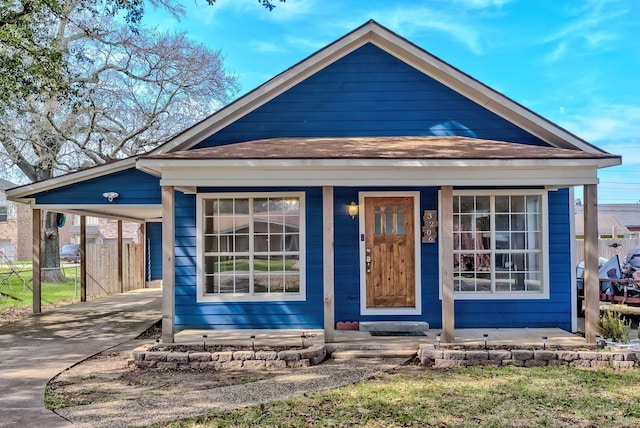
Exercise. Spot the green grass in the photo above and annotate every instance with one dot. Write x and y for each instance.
(469, 397)
(51, 293)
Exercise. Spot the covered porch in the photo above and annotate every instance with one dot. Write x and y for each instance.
(345, 339)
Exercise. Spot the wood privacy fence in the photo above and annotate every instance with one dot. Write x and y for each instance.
(605, 248)
(102, 268)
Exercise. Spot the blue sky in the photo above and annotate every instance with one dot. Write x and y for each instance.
(575, 62)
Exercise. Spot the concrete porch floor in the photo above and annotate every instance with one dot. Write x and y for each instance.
(345, 339)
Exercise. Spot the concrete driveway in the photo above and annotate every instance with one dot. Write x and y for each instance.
(34, 350)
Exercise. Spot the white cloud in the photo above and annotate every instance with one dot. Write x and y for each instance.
(412, 20)
(606, 122)
(265, 47)
(557, 54)
(482, 4)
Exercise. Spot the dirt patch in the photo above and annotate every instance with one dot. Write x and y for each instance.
(108, 377)
(16, 313)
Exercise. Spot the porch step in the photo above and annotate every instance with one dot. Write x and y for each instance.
(354, 354)
(395, 326)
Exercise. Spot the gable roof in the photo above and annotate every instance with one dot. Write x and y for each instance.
(390, 42)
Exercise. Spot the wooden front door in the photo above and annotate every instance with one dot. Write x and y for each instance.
(389, 252)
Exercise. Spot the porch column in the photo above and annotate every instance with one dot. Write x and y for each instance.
(36, 281)
(591, 280)
(328, 260)
(446, 260)
(168, 264)
(120, 269)
(83, 258)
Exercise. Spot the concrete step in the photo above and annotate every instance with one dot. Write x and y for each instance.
(370, 353)
(371, 347)
(394, 326)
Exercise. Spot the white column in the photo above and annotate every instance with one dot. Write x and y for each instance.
(328, 261)
(168, 264)
(446, 260)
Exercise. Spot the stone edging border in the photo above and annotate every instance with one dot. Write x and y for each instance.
(449, 358)
(229, 360)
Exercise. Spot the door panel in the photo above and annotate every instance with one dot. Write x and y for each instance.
(389, 252)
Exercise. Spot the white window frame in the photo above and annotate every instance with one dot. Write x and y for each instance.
(506, 295)
(202, 296)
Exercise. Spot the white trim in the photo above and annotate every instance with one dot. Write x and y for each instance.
(201, 296)
(504, 295)
(118, 212)
(417, 310)
(389, 175)
(71, 178)
(405, 51)
(572, 252)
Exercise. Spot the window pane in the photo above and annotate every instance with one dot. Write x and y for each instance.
(400, 224)
(261, 243)
(223, 206)
(377, 224)
(483, 204)
(388, 227)
(502, 204)
(225, 283)
(242, 283)
(467, 204)
(291, 243)
(211, 244)
(261, 283)
(292, 283)
(518, 204)
(241, 243)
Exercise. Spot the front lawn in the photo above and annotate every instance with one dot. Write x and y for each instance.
(414, 396)
(18, 286)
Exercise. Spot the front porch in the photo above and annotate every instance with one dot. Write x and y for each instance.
(345, 339)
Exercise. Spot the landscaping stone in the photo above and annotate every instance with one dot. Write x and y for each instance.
(253, 364)
(535, 363)
(522, 354)
(200, 356)
(289, 355)
(544, 355)
(156, 356)
(453, 355)
(567, 355)
(622, 364)
(499, 354)
(477, 355)
(244, 355)
(223, 357)
(266, 355)
(178, 357)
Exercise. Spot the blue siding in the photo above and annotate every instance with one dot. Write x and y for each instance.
(369, 93)
(153, 262)
(247, 315)
(133, 186)
(552, 312)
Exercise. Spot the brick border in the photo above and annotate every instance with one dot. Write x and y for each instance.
(229, 360)
(448, 358)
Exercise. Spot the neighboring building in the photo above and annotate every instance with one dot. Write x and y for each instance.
(15, 227)
(460, 192)
(623, 220)
(102, 231)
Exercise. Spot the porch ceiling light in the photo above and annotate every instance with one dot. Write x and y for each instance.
(352, 208)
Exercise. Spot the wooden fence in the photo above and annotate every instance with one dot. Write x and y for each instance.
(605, 248)
(102, 268)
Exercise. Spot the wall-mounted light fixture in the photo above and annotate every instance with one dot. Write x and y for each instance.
(110, 196)
(352, 209)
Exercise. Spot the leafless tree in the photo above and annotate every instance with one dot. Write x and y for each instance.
(133, 90)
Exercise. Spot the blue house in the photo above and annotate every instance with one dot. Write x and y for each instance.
(369, 182)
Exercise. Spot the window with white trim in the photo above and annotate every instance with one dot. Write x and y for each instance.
(4, 213)
(251, 247)
(499, 243)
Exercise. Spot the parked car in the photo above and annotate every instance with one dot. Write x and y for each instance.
(70, 253)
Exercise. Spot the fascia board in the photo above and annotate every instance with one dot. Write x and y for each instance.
(22, 193)
(561, 175)
(187, 166)
(120, 212)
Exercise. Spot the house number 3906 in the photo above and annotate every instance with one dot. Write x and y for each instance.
(429, 226)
